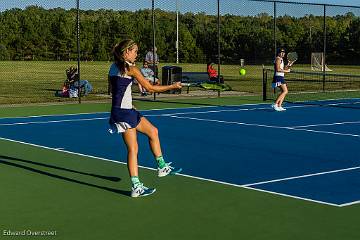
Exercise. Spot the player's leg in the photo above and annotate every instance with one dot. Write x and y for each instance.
(138, 189)
(284, 92)
(130, 140)
(152, 133)
(277, 105)
(277, 82)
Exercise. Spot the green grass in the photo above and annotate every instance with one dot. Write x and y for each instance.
(24, 82)
(37, 81)
(44, 190)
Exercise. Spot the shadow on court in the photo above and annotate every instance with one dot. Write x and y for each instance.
(6, 160)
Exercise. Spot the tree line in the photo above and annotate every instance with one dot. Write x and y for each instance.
(36, 33)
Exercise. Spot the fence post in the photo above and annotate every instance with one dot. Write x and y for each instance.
(324, 50)
(219, 50)
(78, 46)
(264, 83)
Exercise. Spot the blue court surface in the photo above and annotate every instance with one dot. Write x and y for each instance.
(307, 152)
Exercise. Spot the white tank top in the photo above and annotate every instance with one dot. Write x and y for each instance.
(121, 84)
(281, 74)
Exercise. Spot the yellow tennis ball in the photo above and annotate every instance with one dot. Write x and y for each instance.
(242, 71)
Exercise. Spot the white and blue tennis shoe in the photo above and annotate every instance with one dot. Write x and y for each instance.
(167, 169)
(141, 191)
(278, 108)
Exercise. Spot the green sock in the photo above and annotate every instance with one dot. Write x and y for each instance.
(135, 181)
(160, 161)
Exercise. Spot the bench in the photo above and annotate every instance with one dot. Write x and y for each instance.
(194, 79)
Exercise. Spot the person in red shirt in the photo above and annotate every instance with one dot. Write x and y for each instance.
(213, 74)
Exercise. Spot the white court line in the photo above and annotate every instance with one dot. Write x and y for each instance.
(296, 128)
(229, 122)
(335, 104)
(146, 115)
(246, 186)
(95, 113)
(54, 115)
(349, 204)
(301, 176)
(184, 175)
(294, 197)
(98, 113)
(326, 124)
(102, 118)
(155, 115)
(146, 110)
(196, 107)
(331, 99)
(268, 126)
(326, 132)
(69, 152)
(219, 111)
(53, 121)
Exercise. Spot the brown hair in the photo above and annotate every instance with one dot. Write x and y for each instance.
(118, 52)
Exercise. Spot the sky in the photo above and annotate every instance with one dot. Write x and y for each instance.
(237, 7)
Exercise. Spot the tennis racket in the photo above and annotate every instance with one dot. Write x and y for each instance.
(292, 57)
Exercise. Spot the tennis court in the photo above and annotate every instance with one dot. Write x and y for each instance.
(308, 152)
(248, 172)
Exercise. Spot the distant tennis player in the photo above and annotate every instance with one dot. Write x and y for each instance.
(126, 120)
(279, 79)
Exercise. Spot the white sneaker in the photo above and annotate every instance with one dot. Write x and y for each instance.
(282, 109)
(167, 169)
(141, 191)
(276, 107)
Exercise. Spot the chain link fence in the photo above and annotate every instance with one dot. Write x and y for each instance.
(38, 41)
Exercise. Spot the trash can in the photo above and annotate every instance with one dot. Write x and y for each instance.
(171, 74)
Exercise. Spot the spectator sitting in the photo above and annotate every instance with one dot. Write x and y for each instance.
(213, 75)
(74, 82)
(148, 74)
(152, 59)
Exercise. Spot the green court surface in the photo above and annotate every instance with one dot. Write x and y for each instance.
(82, 197)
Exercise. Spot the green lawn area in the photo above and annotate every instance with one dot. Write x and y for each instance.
(24, 82)
(37, 81)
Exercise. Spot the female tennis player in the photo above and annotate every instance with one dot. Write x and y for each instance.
(279, 79)
(126, 120)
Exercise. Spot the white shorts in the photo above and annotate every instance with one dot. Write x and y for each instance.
(119, 127)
